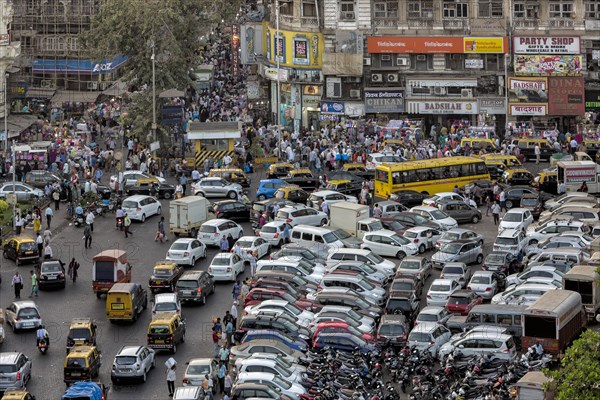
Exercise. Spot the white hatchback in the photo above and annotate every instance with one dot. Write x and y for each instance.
(166, 302)
(226, 267)
(388, 243)
(440, 290)
(300, 214)
(429, 337)
(186, 251)
(272, 232)
(438, 197)
(251, 244)
(211, 232)
(516, 218)
(140, 207)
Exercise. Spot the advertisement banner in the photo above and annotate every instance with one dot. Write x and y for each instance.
(271, 74)
(332, 107)
(528, 109)
(492, 106)
(311, 101)
(436, 45)
(354, 109)
(235, 47)
(592, 100)
(349, 42)
(342, 64)
(566, 96)
(444, 107)
(384, 101)
(557, 65)
(251, 43)
(487, 26)
(546, 45)
(294, 49)
(528, 90)
(579, 175)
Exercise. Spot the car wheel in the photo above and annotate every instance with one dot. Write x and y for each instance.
(400, 255)
(199, 194)
(533, 242)
(144, 377)
(204, 253)
(203, 301)
(232, 195)
(193, 233)
(183, 337)
(509, 204)
(475, 219)
(159, 211)
(193, 261)
(422, 249)
(323, 222)
(115, 380)
(174, 349)
(261, 197)
(480, 243)
(5, 254)
(143, 217)
(166, 195)
(479, 259)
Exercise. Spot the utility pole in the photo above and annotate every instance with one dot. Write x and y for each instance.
(6, 115)
(278, 118)
(14, 164)
(153, 58)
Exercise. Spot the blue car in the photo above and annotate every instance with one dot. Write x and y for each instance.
(85, 391)
(267, 187)
(269, 334)
(342, 342)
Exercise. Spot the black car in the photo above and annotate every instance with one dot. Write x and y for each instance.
(411, 219)
(514, 194)
(104, 192)
(405, 303)
(266, 206)
(408, 198)
(301, 177)
(349, 188)
(486, 188)
(164, 277)
(393, 330)
(52, 274)
(232, 209)
(163, 190)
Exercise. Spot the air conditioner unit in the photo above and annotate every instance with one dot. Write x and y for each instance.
(376, 77)
(466, 93)
(355, 94)
(92, 85)
(438, 90)
(367, 61)
(421, 57)
(348, 15)
(392, 78)
(46, 84)
(402, 62)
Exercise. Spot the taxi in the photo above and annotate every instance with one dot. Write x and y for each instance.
(279, 170)
(292, 193)
(164, 276)
(517, 176)
(82, 364)
(495, 168)
(478, 144)
(592, 147)
(235, 175)
(546, 181)
(166, 331)
(358, 169)
(345, 186)
(145, 186)
(527, 145)
(302, 177)
(21, 249)
(507, 160)
(17, 394)
(82, 332)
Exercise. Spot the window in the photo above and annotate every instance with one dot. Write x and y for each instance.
(347, 9)
(422, 62)
(386, 9)
(592, 9)
(494, 62)
(422, 9)
(309, 8)
(560, 9)
(453, 9)
(526, 9)
(455, 62)
(386, 60)
(490, 9)
(286, 7)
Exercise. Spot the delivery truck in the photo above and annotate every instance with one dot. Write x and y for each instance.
(574, 173)
(584, 279)
(187, 214)
(352, 218)
(534, 385)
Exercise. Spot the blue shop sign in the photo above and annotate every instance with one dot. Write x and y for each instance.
(332, 107)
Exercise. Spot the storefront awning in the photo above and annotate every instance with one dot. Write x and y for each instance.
(39, 93)
(17, 123)
(64, 96)
(82, 67)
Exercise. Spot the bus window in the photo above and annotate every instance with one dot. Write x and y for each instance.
(480, 168)
(382, 176)
(396, 178)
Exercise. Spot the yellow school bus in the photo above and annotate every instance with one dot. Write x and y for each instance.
(429, 176)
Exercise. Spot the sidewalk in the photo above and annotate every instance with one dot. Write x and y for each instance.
(59, 222)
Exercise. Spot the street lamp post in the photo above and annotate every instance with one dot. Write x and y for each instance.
(14, 164)
(153, 93)
(5, 115)
(278, 118)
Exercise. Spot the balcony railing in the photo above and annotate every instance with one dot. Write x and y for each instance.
(561, 23)
(525, 23)
(420, 23)
(309, 21)
(284, 19)
(385, 22)
(456, 23)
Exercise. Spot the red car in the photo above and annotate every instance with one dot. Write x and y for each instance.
(462, 301)
(258, 295)
(340, 327)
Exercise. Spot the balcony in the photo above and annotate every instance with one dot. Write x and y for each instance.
(385, 22)
(525, 24)
(284, 19)
(592, 24)
(312, 22)
(456, 24)
(420, 23)
(561, 23)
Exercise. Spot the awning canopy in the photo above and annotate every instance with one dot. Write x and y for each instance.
(82, 67)
(64, 96)
(17, 123)
(39, 93)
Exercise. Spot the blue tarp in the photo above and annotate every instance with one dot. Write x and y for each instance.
(88, 67)
(83, 390)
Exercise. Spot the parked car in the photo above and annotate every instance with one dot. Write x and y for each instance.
(245, 350)
(417, 266)
(462, 301)
(412, 219)
(405, 303)
(226, 267)
(317, 254)
(486, 284)
(232, 209)
(392, 330)
(407, 283)
(253, 245)
(534, 272)
(197, 369)
(428, 337)
(212, 231)
(343, 342)
(24, 192)
(434, 214)
(332, 197)
(132, 362)
(339, 327)
(390, 208)
(301, 214)
(460, 211)
(217, 187)
(301, 177)
(388, 243)
(457, 271)
(140, 207)
(434, 200)
(514, 194)
(355, 267)
(150, 187)
(423, 237)
(267, 188)
(130, 177)
(440, 290)
(270, 365)
(272, 232)
(409, 198)
(516, 218)
(265, 332)
(40, 178)
(463, 251)
(452, 235)
(186, 251)
(500, 346)
(339, 316)
(282, 306)
(498, 261)
(433, 315)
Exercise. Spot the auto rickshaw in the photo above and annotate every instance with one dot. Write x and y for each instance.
(110, 267)
(279, 170)
(17, 394)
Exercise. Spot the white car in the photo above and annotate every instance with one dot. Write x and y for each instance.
(525, 293)
(212, 231)
(419, 235)
(433, 315)
(166, 302)
(440, 290)
(386, 267)
(283, 306)
(501, 346)
(375, 159)
(484, 284)
(271, 366)
(434, 214)
(554, 243)
(251, 244)
(291, 366)
(534, 272)
(295, 265)
(186, 251)
(363, 318)
(130, 178)
(429, 337)
(443, 196)
(226, 267)
(512, 241)
(272, 232)
(555, 284)
(388, 243)
(331, 196)
(300, 214)
(562, 199)
(336, 316)
(217, 187)
(277, 382)
(516, 218)
(553, 228)
(140, 207)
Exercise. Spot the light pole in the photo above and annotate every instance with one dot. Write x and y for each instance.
(14, 164)
(5, 115)
(278, 81)
(153, 58)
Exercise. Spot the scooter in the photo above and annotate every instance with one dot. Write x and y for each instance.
(78, 220)
(42, 345)
(120, 223)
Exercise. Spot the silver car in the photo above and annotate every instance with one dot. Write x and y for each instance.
(23, 314)
(24, 192)
(132, 362)
(197, 368)
(459, 251)
(217, 187)
(15, 370)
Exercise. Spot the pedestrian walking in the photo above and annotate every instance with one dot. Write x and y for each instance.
(18, 223)
(496, 213)
(230, 240)
(40, 244)
(171, 376)
(37, 225)
(221, 374)
(224, 244)
(488, 205)
(253, 263)
(126, 224)
(235, 292)
(502, 198)
(49, 214)
(228, 384)
(183, 183)
(56, 198)
(89, 219)
(87, 235)
(48, 254)
(537, 151)
(17, 284)
(224, 353)
(234, 312)
(34, 284)
(160, 233)
(216, 336)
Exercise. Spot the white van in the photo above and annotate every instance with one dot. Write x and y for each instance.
(334, 239)
(166, 302)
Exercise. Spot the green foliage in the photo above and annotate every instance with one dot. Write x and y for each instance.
(3, 206)
(579, 374)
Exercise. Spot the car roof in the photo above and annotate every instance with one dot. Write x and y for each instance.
(164, 297)
(483, 273)
(442, 194)
(509, 232)
(392, 319)
(517, 210)
(252, 238)
(25, 304)
(9, 357)
(276, 223)
(216, 221)
(443, 281)
(200, 361)
(485, 335)
(425, 208)
(424, 328)
(459, 230)
(137, 197)
(419, 228)
(431, 310)
(413, 258)
(228, 201)
(325, 192)
(462, 293)
(184, 240)
(129, 351)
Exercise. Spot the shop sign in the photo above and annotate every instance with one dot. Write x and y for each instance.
(592, 100)
(479, 45)
(436, 45)
(4, 39)
(384, 101)
(423, 83)
(528, 109)
(18, 90)
(578, 175)
(487, 25)
(566, 96)
(345, 64)
(446, 107)
(528, 90)
(550, 65)
(474, 63)
(271, 74)
(294, 49)
(311, 101)
(332, 107)
(235, 47)
(547, 45)
(355, 109)
(311, 90)
(492, 106)
(251, 42)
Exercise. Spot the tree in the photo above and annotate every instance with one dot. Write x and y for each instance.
(579, 374)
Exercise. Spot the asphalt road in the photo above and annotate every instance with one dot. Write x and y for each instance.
(58, 308)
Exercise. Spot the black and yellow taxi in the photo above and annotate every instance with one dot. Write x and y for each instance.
(496, 168)
(345, 186)
(302, 177)
(17, 394)
(82, 332)
(164, 276)
(82, 364)
(478, 144)
(546, 181)
(21, 249)
(279, 170)
(235, 175)
(527, 145)
(166, 331)
(517, 176)
(508, 160)
(592, 147)
(359, 170)
(151, 187)
(292, 193)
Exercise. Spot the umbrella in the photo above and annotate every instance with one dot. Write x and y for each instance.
(167, 94)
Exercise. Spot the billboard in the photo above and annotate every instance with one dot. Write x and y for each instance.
(592, 100)
(384, 100)
(443, 107)
(578, 175)
(250, 42)
(436, 45)
(294, 49)
(528, 90)
(548, 65)
(546, 45)
(566, 96)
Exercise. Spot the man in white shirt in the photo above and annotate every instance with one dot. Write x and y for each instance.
(94, 187)
(89, 219)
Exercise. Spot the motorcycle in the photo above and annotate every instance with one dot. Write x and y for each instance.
(42, 345)
(120, 223)
(78, 220)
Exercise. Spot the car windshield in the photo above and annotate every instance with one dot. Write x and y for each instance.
(480, 279)
(437, 214)
(208, 229)
(375, 258)
(283, 214)
(506, 241)
(450, 236)
(269, 229)
(161, 272)
(394, 226)
(392, 330)
(402, 286)
(399, 239)
(245, 244)
(125, 360)
(80, 333)
(129, 204)
(440, 287)
(220, 261)
(51, 267)
(28, 246)
(495, 258)
(435, 197)
(198, 369)
(410, 234)
(452, 270)
(179, 246)
(427, 317)
(314, 198)
(330, 237)
(164, 306)
(401, 304)
(513, 217)
(159, 329)
(410, 265)
(281, 383)
(341, 234)
(419, 337)
(451, 248)
(77, 362)
(458, 300)
(419, 219)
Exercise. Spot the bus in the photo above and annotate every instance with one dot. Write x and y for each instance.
(429, 176)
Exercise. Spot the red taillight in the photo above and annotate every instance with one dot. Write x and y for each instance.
(506, 351)
(258, 233)
(484, 267)
(431, 343)
(416, 241)
(288, 220)
(61, 275)
(18, 376)
(216, 233)
(469, 288)
(276, 235)
(217, 212)
(488, 289)
(228, 269)
(199, 290)
(186, 254)
(138, 209)
(437, 243)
